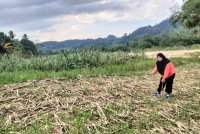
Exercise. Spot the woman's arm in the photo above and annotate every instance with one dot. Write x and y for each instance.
(154, 70)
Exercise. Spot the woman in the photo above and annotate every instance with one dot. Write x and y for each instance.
(167, 70)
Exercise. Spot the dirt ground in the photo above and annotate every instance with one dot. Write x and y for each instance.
(175, 53)
(23, 102)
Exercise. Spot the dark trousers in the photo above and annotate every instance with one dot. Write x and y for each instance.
(168, 83)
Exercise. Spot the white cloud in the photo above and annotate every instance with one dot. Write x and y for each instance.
(65, 19)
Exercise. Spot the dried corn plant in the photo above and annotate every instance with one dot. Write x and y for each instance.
(102, 105)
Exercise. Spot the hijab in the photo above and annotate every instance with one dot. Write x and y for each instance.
(162, 64)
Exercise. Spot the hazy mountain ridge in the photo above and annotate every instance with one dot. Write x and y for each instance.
(162, 27)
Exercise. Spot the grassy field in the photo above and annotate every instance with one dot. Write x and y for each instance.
(15, 68)
(131, 68)
(114, 97)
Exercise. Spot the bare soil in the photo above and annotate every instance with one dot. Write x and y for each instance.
(175, 53)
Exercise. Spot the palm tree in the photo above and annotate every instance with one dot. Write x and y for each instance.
(11, 35)
(4, 47)
(25, 37)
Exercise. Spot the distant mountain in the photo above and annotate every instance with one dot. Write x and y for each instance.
(163, 27)
(78, 44)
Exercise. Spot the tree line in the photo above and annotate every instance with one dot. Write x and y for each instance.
(8, 44)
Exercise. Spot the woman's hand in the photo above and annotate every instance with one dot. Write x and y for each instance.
(152, 73)
(163, 80)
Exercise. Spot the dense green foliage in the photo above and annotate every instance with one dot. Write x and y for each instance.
(179, 38)
(189, 15)
(64, 61)
(183, 37)
(24, 46)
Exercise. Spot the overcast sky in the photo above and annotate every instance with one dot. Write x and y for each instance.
(44, 20)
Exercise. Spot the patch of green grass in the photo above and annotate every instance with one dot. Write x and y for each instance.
(77, 120)
(44, 126)
(136, 67)
(132, 68)
(39, 126)
(189, 111)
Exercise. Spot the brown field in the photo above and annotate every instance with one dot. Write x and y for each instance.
(23, 103)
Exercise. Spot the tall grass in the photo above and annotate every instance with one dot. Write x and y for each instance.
(135, 67)
(64, 61)
(14, 68)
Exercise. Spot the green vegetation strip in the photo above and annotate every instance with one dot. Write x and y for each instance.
(136, 67)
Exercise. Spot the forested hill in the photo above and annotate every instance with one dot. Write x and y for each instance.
(163, 27)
